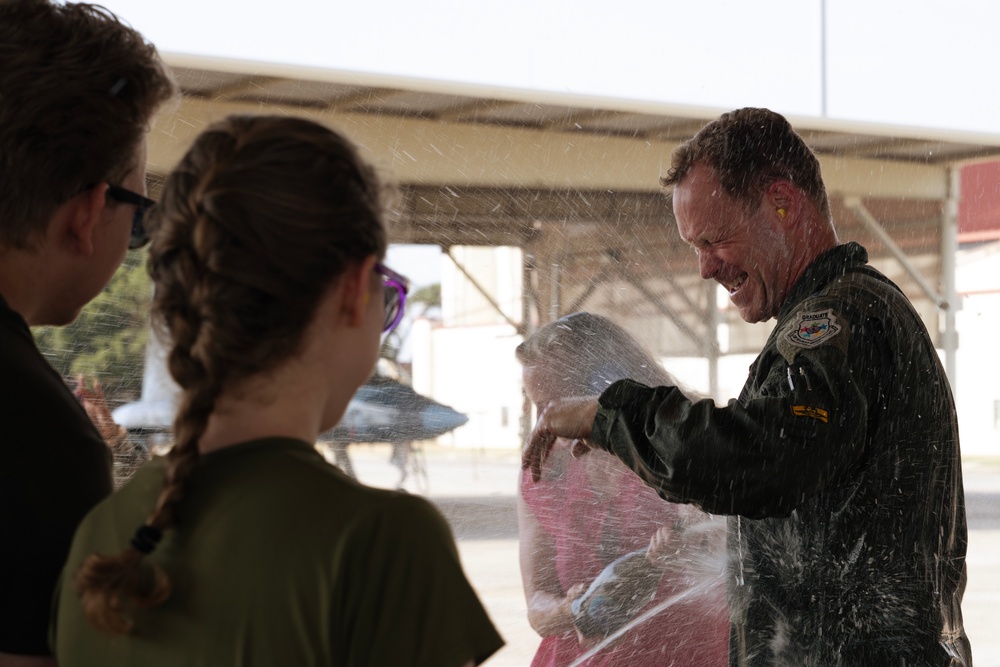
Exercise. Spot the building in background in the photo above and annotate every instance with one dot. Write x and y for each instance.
(467, 358)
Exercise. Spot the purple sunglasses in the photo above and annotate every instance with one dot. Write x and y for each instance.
(395, 287)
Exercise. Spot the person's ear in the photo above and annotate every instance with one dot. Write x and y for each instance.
(784, 199)
(358, 290)
(83, 213)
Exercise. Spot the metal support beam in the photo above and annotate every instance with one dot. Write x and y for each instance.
(949, 252)
(554, 291)
(527, 300)
(710, 341)
(527, 291)
(866, 217)
(695, 308)
(496, 306)
(664, 309)
(588, 291)
(530, 299)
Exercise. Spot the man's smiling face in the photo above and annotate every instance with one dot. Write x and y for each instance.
(745, 251)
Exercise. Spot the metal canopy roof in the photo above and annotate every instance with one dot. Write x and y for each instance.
(430, 137)
(574, 182)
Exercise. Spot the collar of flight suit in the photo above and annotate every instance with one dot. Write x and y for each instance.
(835, 261)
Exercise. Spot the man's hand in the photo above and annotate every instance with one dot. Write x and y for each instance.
(570, 418)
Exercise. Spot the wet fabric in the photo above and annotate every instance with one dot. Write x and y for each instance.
(280, 559)
(840, 463)
(587, 530)
(56, 468)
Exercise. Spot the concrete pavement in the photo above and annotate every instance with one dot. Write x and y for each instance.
(476, 491)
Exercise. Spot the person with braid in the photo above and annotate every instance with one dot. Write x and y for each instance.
(243, 546)
(78, 91)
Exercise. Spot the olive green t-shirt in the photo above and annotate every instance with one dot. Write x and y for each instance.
(280, 559)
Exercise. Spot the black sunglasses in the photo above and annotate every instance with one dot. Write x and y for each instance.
(139, 236)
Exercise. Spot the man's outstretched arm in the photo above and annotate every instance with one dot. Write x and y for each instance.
(571, 418)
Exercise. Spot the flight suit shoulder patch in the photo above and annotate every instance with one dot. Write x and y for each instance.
(808, 329)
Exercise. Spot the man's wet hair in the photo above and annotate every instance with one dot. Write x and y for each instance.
(78, 89)
(748, 149)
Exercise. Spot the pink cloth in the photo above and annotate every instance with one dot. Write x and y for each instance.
(588, 533)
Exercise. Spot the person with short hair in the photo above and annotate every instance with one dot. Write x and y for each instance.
(839, 464)
(243, 546)
(78, 90)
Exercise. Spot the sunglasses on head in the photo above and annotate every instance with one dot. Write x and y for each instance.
(394, 287)
(139, 236)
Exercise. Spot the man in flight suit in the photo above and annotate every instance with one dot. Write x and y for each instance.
(839, 464)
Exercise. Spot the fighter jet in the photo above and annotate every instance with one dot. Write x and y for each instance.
(385, 410)
(152, 416)
(382, 410)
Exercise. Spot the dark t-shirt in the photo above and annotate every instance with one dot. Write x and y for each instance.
(278, 558)
(56, 467)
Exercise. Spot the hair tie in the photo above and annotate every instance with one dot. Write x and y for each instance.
(146, 538)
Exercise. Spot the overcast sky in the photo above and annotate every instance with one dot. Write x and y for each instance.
(917, 63)
(911, 63)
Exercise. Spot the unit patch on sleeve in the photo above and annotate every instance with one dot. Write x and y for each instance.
(813, 328)
(814, 413)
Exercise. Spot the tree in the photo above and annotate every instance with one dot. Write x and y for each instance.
(417, 304)
(108, 341)
(429, 296)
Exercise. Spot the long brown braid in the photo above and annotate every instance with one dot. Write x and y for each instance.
(256, 222)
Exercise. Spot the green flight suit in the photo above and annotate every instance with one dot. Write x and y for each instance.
(840, 468)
